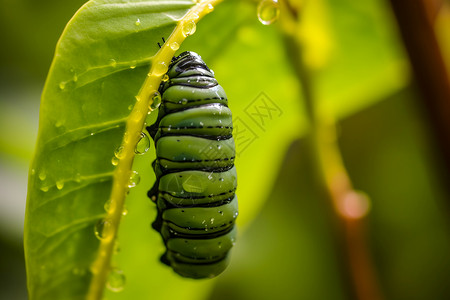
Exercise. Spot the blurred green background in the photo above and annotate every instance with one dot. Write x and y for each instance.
(292, 247)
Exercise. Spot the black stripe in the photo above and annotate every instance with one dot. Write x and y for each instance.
(199, 261)
(165, 171)
(193, 236)
(170, 205)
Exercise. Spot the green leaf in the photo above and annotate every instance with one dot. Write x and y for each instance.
(100, 64)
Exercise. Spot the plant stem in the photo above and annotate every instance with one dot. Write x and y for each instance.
(350, 206)
(135, 124)
(415, 19)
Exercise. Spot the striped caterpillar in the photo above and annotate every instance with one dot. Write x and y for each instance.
(195, 174)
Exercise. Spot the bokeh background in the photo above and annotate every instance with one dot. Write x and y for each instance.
(292, 243)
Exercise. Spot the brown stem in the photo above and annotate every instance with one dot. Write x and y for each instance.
(415, 20)
(348, 204)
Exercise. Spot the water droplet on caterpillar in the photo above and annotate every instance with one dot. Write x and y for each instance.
(116, 280)
(268, 11)
(189, 28)
(138, 22)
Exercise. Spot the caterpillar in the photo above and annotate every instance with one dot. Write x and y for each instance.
(196, 179)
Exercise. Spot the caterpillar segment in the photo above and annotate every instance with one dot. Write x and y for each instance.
(196, 178)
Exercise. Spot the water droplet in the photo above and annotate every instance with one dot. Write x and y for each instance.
(143, 145)
(124, 211)
(42, 175)
(268, 11)
(165, 78)
(189, 28)
(133, 67)
(130, 107)
(78, 177)
(75, 78)
(59, 123)
(209, 8)
(156, 101)
(44, 189)
(135, 178)
(107, 205)
(119, 152)
(103, 229)
(160, 68)
(60, 184)
(116, 280)
(62, 85)
(113, 63)
(195, 16)
(174, 46)
(221, 179)
(138, 22)
(33, 171)
(115, 161)
(116, 247)
(184, 101)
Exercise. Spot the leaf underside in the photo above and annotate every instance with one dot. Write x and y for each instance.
(100, 64)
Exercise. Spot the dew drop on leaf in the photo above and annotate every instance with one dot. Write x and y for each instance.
(107, 205)
(160, 68)
(116, 280)
(42, 175)
(119, 152)
(138, 22)
(115, 161)
(113, 63)
(60, 184)
(268, 11)
(44, 189)
(143, 145)
(135, 178)
(103, 229)
(189, 28)
(62, 85)
(209, 8)
(174, 46)
(156, 101)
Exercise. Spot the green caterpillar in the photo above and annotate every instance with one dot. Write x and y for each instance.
(195, 174)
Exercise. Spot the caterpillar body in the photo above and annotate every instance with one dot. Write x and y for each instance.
(195, 174)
